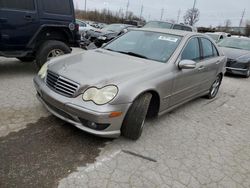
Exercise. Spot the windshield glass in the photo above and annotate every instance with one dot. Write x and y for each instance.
(114, 27)
(213, 36)
(146, 44)
(155, 24)
(238, 43)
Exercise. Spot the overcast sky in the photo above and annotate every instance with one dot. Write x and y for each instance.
(212, 12)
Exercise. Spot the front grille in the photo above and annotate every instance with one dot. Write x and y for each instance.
(230, 62)
(61, 85)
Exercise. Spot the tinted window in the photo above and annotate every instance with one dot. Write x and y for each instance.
(185, 28)
(16, 4)
(207, 48)
(178, 27)
(57, 6)
(192, 50)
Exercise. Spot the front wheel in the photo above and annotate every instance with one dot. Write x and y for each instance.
(51, 49)
(134, 120)
(213, 91)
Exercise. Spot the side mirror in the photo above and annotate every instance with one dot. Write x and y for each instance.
(187, 64)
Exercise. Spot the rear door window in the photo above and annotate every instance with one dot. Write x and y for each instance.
(57, 6)
(192, 50)
(17, 5)
(207, 48)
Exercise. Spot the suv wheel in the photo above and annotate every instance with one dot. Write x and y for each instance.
(134, 120)
(49, 50)
(26, 59)
(214, 88)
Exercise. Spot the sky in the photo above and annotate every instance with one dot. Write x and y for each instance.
(212, 12)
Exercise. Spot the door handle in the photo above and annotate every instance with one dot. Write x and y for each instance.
(217, 62)
(28, 18)
(201, 68)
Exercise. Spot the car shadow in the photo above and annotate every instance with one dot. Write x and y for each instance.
(45, 152)
(12, 66)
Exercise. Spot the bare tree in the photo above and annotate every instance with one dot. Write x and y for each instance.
(192, 16)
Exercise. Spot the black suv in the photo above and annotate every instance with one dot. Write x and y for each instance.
(37, 29)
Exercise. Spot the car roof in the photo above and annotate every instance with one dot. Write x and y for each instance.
(169, 31)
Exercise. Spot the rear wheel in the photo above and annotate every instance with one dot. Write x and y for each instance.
(134, 120)
(51, 49)
(215, 88)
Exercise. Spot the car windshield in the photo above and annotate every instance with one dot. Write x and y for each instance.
(238, 43)
(213, 36)
(156, 24)
(114, 27)
(146, 44)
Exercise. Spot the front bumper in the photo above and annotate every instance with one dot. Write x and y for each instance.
(79, 113)
(238, 71)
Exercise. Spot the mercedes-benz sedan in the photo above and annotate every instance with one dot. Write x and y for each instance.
(143, 73)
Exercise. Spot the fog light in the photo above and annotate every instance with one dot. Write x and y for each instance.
(93, 125)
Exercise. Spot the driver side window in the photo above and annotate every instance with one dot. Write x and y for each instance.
(192, 50)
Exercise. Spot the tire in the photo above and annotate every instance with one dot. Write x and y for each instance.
(133, 123)
(26, 59)
(213, 91)
(53, 48)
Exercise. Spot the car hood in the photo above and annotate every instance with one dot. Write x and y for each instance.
(100, 67)
(232, 53)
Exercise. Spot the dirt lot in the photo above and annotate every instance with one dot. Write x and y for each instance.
(202, 144)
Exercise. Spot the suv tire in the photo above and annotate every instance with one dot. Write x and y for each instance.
(26, 59)
(42, 55)
(134, 120)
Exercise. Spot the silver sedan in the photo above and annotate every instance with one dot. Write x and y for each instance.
(143, 73)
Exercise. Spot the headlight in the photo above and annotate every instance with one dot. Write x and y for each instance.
(100, 96)
(102, 38)
(43, 71)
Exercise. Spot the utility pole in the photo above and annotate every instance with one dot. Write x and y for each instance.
(141, 11)
(85, 7)
(178, 16)
(127, 9)
(192, 21)
(162, 12)
(243, 14)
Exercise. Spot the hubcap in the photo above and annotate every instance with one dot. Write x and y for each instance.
(215, 87)
(54, 53)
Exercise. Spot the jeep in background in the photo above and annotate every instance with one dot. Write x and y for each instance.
(37, 29)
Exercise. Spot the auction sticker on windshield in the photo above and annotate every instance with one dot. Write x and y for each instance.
(171, 39)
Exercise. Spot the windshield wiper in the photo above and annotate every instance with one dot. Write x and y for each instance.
(129, 53)
(133, 54)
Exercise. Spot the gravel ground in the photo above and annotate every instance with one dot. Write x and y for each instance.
(204, 143)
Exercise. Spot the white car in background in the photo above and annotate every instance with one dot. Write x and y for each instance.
(84, 26)
(218, 36)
